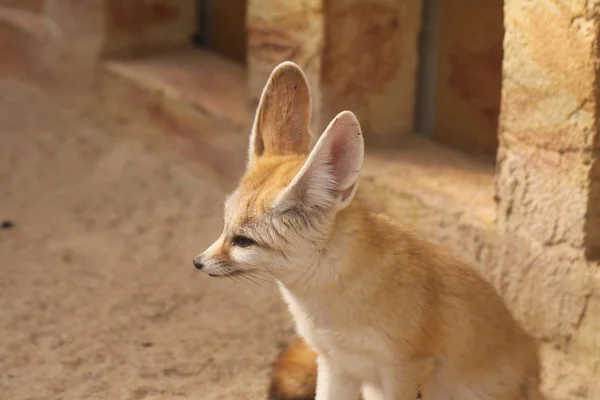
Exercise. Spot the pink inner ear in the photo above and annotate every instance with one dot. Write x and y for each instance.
(331, 170)
(348, 192)
(341, 151)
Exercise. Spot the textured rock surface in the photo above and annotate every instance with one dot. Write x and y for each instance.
(87, 30)
(550, 75)
(546, 182)
(198, 99)
(469, 79)
(22, 34)
(370, 63)
(139, 26)
(29, 5)
(73, 56)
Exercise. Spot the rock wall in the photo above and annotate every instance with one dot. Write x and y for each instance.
(29, 5)
(547, 174)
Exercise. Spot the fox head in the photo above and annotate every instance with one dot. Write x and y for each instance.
(280, 218)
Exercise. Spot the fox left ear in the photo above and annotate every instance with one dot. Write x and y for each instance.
(281, 124)
(329, 177)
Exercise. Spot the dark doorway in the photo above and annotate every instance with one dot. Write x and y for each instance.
(221, 27)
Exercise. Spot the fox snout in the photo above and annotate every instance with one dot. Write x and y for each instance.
(212, 259)
(210, 266)
(198, 263)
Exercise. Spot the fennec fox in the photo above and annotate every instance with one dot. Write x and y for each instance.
(390, 315)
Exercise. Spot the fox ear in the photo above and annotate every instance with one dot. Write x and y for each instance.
(329, 177)
(281, 123)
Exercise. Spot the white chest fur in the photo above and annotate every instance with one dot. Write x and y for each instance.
(360, 351)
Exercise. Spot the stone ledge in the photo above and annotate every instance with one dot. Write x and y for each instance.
(198, 99)
(24, 35)
(440, 176)
(29, 23)
(203, 81)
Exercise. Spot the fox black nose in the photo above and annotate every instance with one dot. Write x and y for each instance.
(198, 264)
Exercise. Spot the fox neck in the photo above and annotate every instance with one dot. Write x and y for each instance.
(338, 261)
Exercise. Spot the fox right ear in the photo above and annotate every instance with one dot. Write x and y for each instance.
(281, 124)
(329, 177)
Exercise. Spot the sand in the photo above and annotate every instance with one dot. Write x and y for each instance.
(98, 295)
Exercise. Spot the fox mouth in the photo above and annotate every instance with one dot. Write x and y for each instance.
(237, 272)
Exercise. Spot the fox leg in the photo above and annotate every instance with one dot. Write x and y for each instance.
(370, 392)
(335, 384)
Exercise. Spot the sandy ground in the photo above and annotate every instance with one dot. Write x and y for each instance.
(98, 296)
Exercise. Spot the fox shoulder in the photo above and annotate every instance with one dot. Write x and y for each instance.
(294, 375)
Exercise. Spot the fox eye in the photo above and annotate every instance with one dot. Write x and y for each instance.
(242, 241)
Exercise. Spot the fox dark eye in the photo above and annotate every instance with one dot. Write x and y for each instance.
(242, 241)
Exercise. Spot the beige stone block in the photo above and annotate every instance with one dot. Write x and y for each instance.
(585, 348)
(140, 26)
(564, 379)
(542, 195)
(358, 55)
(77, 19)
(469, 79)
(550, 67)
(17, 46)
(370, 63)
(74, 54)
(546, 287)
(28, 5)
(543, 204)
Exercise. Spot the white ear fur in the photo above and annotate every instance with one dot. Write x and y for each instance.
(329, 177)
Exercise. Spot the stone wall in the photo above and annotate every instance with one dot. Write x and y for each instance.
(141, 26)
(73, 55)
(547, 173)
(70, 37)
(23, 33)
(29, 5)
